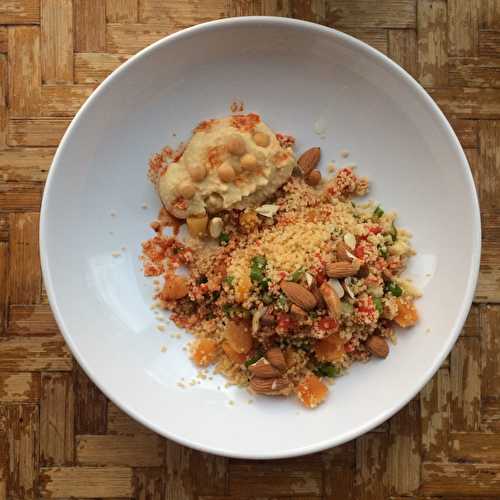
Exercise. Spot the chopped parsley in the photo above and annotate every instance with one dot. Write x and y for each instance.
(327, 370)
(229, 280)
(382, 250)
(253, 359)
(296, 275)
(223, 239)
(378, 212)
(377, 301)
(394, 288)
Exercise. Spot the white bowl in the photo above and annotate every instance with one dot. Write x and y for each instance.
(296, 75)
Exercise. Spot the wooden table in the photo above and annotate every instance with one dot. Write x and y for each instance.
(60, 437)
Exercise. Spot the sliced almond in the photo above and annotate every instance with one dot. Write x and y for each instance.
(299, 295)
(270, 386)
(264, 369)
(342, 269)
(332, 300)
(378, 346)
(350, 240)
(336, 285)
(267, 318)
(309, 160)
(297, 311)
(276, 357)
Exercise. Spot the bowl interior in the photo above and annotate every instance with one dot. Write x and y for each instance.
(302, 79)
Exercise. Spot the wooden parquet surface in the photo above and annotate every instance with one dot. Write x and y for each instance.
(61, 438)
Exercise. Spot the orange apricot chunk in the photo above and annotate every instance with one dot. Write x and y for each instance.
(407, 314)
(234, 356)
(330, 348)
(311, 391)
(239, 336)
(204, 352)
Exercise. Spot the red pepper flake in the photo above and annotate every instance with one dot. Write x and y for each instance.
(285, 323)
(152, 270)
(375, 229)
(204, 126)
(359, 251)
(286, 141)
(245, 123)
(327, 324)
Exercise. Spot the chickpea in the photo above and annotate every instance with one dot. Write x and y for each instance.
(187, 189)
(236, 145)
(248, 162)
(261, 139)
(226, 172)
(197, 172)
(214, 203)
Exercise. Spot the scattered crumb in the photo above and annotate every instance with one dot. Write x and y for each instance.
(160, 328)
(174, 134)
(226, 385)
(218, 387)
(331, 167)
(113, 213)
(210, 378)
(111, 233)
(428, 330)
(156, 281)
(344, 153)
(181, 385)
(184, 348)
(124, 248)
(231, 402)
(250, 401)
(237, 106)
(428, 275)
(178, 336)
(144, 206)
(163, 348)
(116, 254)
(153, 306)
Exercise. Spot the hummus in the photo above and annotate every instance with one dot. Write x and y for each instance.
(232, 162)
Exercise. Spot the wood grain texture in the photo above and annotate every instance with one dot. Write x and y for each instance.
(59, 435)
(57, 41)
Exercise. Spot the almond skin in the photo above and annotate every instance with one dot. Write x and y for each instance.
(331, 299)
(264, 369)
(377, 346)
(297, 311)
(343, 251)
(270, 386)
(342, 269)
(299, 295)
(276, 357)
(309, 160)
(313, 178)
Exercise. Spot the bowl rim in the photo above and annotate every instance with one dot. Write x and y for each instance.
(476, 236)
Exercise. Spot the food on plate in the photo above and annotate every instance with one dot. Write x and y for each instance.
(230, 163)
(289, 280)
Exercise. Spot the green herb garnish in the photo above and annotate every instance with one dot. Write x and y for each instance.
(378, 212)
(393, 232)
(229, 310)
(223, 239)
(394, 288)
(296, 275)
(253, 359)
(229, 280)
(377, 301)
(282, 302)
(383, 252)
(327, 370)
(257, 272)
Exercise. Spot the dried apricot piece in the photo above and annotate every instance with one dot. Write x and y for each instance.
(234, 356)
(330, 348)
(239, 336)
(243, 287)
(407, 314)
(175, 288)
(311, 391)
(204, 352)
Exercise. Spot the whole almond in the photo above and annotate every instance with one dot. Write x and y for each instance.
(377, 346)
(313, 178)
(331, 299)
(264, 369)
(297, 311)
(343, 252)
(270, 386)
(309, 160)
(299, 295)
(342, 269)
(276, 357)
